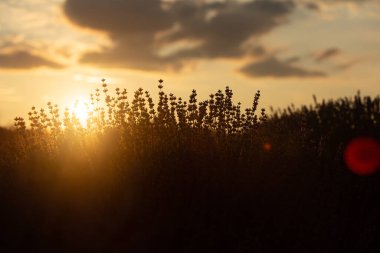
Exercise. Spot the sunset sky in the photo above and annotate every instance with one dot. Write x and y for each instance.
(59, 50)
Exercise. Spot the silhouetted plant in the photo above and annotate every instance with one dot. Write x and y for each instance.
(188, 176)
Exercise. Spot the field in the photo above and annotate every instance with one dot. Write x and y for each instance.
(184, 175)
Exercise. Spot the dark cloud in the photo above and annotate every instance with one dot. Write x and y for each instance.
(132, 26)
(220, 28)
(327, 54)
(118, 16)
(312, 6)
(233, 23)
(25, 60)
(293, 59)
(272, 67)
(257, 51)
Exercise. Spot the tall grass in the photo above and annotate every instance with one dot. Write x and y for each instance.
(182, 175)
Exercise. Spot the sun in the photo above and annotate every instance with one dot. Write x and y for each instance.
(81, 110)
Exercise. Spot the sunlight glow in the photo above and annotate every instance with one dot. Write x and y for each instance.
(81, 111)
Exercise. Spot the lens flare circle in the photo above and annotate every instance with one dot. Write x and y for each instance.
(362, 156)
(267, 146)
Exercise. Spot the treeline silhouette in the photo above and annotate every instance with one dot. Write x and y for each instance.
(188, 176)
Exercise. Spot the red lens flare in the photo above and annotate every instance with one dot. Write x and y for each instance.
(362, 156)
(267, 147)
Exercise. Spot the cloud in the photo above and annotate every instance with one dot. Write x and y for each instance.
(293, 59)
(327, 54)
(349, 1)
(142, 29)
(336, 59)
(348, 64)
(233, 24)
(273, 67)
(312, 6)
(323, 5)
(132, 26)
(38, 27)
(135, 52)
(25, 60)
(118, 16)
(315, 4)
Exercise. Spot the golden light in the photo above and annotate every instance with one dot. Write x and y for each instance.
(81, 110)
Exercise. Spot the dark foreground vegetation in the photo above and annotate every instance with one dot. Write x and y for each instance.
(188, 176)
